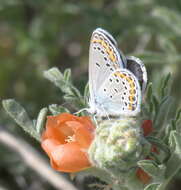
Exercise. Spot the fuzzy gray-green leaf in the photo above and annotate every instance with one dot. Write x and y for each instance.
(178, 115)
(150, 167)
(86, 91)
(159, 144)
(57, 109)
(155, 105)
(54, 75)
(67, 75)
(177, 120)
(41, 120)
(152, 186)
(18, 113)
(75, 92)
(74, 101)
(164, 89)
(162, 113)
(72, 94)
(149, 92)
(174, 163)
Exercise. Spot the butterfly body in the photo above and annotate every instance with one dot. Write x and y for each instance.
(115, 90)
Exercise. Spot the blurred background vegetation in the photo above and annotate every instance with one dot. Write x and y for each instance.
(36, 35)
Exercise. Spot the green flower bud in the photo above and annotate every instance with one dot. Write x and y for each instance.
(118, 145)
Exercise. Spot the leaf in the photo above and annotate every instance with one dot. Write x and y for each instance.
(150, 167)
(57, 109)
(178, 120)
(174, 163)
(149, 92)
(18, 113)
(72, 94)
(178, 115)
(168, 129)
(159, 144)
(70, 98)
(173, 124)
(86, 91)
(165, 85)
(67, 75)
(152, 186)
(54, 75)
(161, 116)
(155, 106)
(40, 123)
(75, 92)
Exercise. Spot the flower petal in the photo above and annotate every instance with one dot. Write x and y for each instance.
(69, 158)
(53, 132)
(49, 145)
(86, 121)
(83, 136)
(63, 117)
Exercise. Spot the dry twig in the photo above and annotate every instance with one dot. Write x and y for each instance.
(33, 159)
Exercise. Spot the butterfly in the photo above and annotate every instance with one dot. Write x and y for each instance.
(116, 82)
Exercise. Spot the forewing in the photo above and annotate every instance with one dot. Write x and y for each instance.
(136, 66)
(120, 94)
(103, 59)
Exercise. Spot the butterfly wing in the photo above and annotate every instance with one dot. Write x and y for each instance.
(136, 66)
(120, 94)
(104, 58)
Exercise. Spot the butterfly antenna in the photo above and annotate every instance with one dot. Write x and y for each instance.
(81, 110)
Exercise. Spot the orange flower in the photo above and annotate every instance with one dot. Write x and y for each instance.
(66, 140)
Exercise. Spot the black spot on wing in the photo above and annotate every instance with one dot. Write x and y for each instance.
(98, 64)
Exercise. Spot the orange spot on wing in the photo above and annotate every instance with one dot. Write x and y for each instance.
(109, 51)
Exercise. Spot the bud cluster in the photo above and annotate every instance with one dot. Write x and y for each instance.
(118, 145)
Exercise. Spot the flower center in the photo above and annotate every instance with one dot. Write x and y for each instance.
(70, 139)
